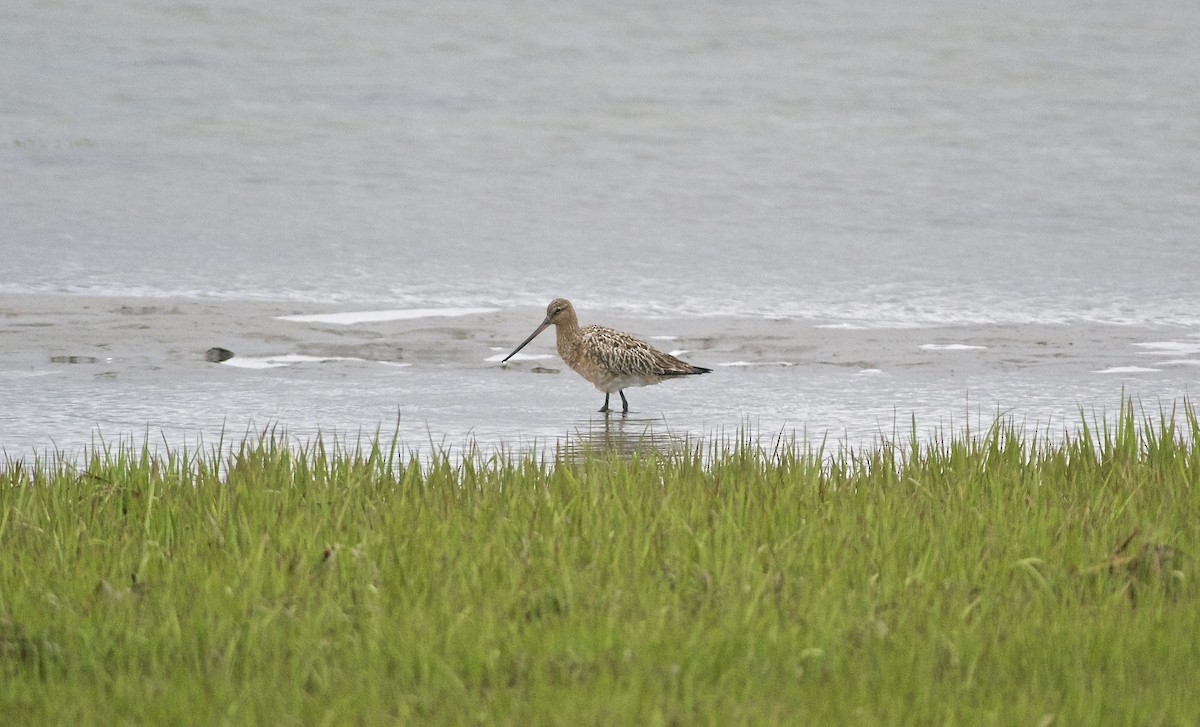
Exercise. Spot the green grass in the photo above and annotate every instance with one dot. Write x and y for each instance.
(980, 578)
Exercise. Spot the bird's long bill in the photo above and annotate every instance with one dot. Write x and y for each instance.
(532, 336)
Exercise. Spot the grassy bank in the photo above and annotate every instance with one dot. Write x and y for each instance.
(980, 579)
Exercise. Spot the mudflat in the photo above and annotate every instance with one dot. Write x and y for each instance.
(71, 365)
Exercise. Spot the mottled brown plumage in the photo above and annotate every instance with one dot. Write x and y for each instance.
(612, 360)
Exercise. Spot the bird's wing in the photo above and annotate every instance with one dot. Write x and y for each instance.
(622, 353)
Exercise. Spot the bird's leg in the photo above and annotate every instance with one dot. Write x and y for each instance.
(624, 402)
(604, 409)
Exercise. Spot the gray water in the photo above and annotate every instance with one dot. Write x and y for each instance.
(861, 164)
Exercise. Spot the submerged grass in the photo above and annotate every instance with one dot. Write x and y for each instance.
(975, 579)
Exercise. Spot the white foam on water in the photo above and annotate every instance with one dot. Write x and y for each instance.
(252, 363)
(1126, 370)
(1175, 348)
(350, 318)
(952, 347)
(499, 358)
(287, 359)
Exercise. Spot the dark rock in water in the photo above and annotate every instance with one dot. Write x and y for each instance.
(73, 359)
(216, 354)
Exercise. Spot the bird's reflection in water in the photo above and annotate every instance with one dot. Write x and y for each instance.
(621, 437)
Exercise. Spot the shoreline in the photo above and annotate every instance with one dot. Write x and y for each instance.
(73, 366)
(33, 325)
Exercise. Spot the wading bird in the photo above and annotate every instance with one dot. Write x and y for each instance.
(612, 360)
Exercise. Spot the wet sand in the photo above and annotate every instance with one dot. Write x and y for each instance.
(74, 366)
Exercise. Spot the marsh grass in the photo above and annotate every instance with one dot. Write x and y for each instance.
(976, 578)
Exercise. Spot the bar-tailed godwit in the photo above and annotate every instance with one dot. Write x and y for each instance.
(612, 360)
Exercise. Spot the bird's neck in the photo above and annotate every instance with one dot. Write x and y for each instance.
(566, 329)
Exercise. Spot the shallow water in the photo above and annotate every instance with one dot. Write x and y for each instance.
(76, 367)
(923, 165)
